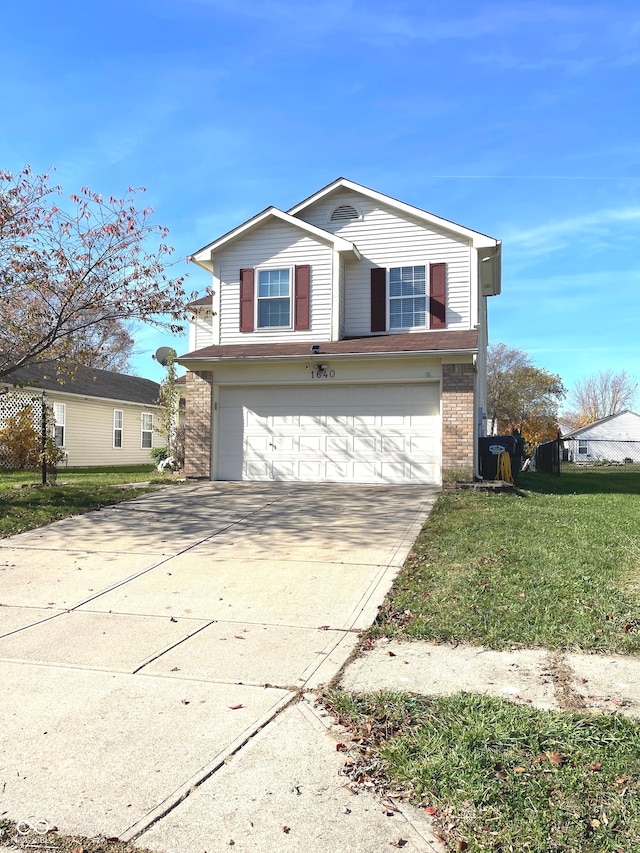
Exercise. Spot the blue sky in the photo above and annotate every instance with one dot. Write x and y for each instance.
(517, 119)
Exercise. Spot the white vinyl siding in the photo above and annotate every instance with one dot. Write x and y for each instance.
(278, 246)
(387, 239)
(88, 432)
(201, 329)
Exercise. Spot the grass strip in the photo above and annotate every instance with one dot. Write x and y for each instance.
(554, 564)
(23, 838)
(497, 776)
(24, 509)
(83, 476)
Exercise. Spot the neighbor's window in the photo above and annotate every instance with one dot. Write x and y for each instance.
(407, 297)
(59, 415)
(118, 418)
(146, 440)
(274, 298)
(582, 447)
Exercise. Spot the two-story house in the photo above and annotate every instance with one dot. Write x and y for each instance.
(345, 341)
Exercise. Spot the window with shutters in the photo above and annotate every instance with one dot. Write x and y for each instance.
(410, 297)
(407, 297)
(274, 299)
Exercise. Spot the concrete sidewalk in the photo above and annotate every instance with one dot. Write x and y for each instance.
(155, 657)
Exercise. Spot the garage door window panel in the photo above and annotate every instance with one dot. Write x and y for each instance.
(274, 299)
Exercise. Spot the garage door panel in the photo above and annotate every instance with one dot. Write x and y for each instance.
(366, 433)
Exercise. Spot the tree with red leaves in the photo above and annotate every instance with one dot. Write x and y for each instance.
(73, 277)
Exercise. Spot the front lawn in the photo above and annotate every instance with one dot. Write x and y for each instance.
(554, 564)
(24, 504)
(500, 777)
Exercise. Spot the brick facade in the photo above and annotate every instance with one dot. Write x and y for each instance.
(458, 432)
(197, 439)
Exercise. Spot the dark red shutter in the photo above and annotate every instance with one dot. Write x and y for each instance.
(438, 296)
(378, 300)
(302, 292)
(246, 300)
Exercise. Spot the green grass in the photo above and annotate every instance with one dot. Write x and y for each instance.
(24, 504)
(24, 509)
(554, 564)
(82, 476)
(497, 776)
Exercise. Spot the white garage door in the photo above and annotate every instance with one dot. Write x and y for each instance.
(360, 433)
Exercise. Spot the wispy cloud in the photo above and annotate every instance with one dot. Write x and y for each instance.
(556, 235)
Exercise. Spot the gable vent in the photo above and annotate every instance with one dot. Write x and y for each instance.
(344, 213)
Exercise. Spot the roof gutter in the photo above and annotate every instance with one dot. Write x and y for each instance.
(205, 363)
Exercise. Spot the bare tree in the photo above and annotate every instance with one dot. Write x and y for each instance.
(601, 395)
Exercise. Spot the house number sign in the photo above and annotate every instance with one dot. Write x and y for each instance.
(322, 372)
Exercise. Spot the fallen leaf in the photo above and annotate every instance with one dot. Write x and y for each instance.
(236, 707)
(185, 701)
(340, 747)
(399, 842)
(519, 769)
(324, 627)
(391, 654)
(522, 595)
(239, 637)
(594, 766)
(555, 758)
(461, 844)
(286, 829)
(431, 810)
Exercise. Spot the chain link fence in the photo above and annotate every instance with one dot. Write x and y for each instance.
(27, 440)
(566, 454)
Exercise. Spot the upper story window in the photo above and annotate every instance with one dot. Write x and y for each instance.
(274, 299)
(146, 435)
(407, 297)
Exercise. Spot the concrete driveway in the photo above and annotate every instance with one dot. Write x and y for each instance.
(157, 658)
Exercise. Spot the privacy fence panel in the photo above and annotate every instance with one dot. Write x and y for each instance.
(21, 414)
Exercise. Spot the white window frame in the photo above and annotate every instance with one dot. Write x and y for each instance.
(118, 427)
(426, 297)
(258, 298)
(59, 423)
(583, 447)
(148, 431)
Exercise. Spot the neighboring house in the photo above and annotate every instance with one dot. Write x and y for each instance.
(612, 439)
(345, 341)
(101, 417)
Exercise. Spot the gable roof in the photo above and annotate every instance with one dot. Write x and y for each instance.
(478, 240)
(576, 433)
(204, 257)
(88, 382)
